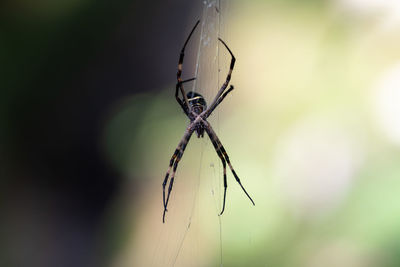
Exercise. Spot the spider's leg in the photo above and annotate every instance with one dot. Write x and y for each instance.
(171, 183)
(219, 101)
(234, 173)
(228, 78)
(216, 146)
(214, 138)
(171, 162)
(176, 157)
(233, 60)
(181, 103)
(179, 73)
(185, 137)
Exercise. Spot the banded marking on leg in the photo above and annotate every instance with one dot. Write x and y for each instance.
(228, 78)
(174, 162)
(208, 113)
(234, 173)
(233, 60)
(216, 146)
(180, 63)
(214, 138)
(171, 162)
(171, 182)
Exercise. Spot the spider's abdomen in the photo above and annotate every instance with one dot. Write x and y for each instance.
(197, 102)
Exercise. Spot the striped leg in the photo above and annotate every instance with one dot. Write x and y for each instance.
(219, 101)
(221, 150)
(179, 73)
(171, 162)
(176, 157)
(180, 102)
(228, 78)
(234, 173)
(216, 146)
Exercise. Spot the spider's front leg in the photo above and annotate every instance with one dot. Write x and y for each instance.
(180, 101)
(220, 96)
(179, 86)
(209, 111)
(176, 157)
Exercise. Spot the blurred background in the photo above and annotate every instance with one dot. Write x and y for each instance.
(88, 123)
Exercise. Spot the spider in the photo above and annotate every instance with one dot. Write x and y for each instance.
(195, 107)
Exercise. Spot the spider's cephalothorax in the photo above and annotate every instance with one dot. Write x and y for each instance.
(198, 104)
(195, 108)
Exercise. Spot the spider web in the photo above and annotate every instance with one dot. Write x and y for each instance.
(210, 73)
(198, 240)
(207, 197)
(192, 233)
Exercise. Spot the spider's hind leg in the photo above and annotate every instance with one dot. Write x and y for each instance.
(235, 175)
(167, 175)
(219, 148)
(216, 146)
(176, 157)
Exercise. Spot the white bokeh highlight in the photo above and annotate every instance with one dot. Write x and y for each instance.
(386, 102)
(316, 162)
(388, 11)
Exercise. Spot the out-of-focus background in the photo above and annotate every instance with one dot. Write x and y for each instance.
(88, 122)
